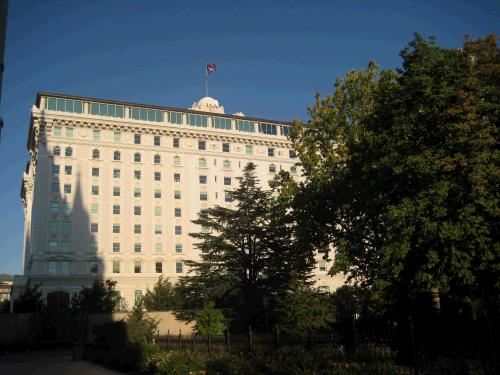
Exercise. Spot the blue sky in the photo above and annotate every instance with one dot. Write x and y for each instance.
(271, 58)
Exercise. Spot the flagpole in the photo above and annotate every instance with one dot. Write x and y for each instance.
(206, 80)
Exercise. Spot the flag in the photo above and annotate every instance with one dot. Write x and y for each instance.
(211, 68)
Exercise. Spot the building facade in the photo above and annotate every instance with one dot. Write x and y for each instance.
(111, 188)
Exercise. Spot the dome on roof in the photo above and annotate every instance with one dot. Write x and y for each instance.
(207, 104)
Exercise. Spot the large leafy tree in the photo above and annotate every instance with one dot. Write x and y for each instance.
(402, 172)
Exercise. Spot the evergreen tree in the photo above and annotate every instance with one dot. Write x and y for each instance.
(164, 296)
(100, 297)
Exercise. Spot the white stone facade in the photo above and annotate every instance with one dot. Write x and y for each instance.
(90, 215)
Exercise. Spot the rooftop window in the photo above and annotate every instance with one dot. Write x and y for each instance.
(222, 123)
(109, 110)
(175, 118)
(245, 126)
(146, 114)
(64, 105)
(268, 129)
(197, 120)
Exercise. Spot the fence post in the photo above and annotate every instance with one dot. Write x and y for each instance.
(168, 339)
(250, 339)
(180, 338)
(209, 343)
(413, 346)
(226, 336)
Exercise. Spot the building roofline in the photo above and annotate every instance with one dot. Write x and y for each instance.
(39, 94)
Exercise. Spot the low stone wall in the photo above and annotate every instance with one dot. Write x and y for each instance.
(16, 328)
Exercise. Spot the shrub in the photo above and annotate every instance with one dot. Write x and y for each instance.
(175, 363)
(210, 320)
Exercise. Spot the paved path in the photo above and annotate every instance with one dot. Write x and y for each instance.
(48, 362)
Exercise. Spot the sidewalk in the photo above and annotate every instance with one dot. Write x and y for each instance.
(48, 362)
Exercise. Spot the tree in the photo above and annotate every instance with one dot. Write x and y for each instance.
(100, 297)
(30, 300)
(164, 296)
(210, 321)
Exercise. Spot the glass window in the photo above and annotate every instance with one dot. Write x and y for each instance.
(137, 192)
(159, 267)
(157, 159)
(95, 172)
(138, 296)
(158, 229)
(157, 140)
(158, 247)
(68, 170)
(272, 168)
(54, 207)
(202, 163)
(177, 194)
(228, 196)
(177, 177)
(176, 142)
(222, 123)
(226, 164)
(157, 193)
(56, 151)
(95, 154)
(66, 208)
(203, 179)
(65, 246)
(202, 145)
(178, 248)
(117, 137)
(157, 211)
(137, 247)
(69, 133)
(55, 169)
(116, 247)
(178, 230)
(94, 246)
(322, 266)
(137, 139)
(225, 147)
(96, 135)
(137, 266)
(94, 227)
(66, 227)
(109, 110)
(54, 187)
(137, 228)
(285, 130)
(249, 149)
(117, 156)
(178, 267)
(137, 175)
(116, 209)
(95, 190)
(177, 160)
(268, 129)
(116, 173)
(137, 210)
(116, 191)
(53, 246)
(293, 169)
(227, 180)
(68, 151)
(65, 268)
(52, 267)
(177, 212)
(203, 196)
(57, 131)
(197, 120)
(292, 154)
(94, 208)
(157, 176)
(245, 126)
(93, 267)
(116, 228)
(116, 266)
(137, 157)
(175, 118)
(270, 151)
(146, 114)
(53, 227)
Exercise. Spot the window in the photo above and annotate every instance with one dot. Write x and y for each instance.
(54, 207)
(285, 130)
(137, 228)
(93, 267)
(53, 227)
(94, 227)
(197, 120)
(158, 247)
(95, 154)
(96, 135)
(68, 151)
(176, 142)
(205, 230)
(268, 129)
(53, 246)
(116, 191)
(138, 296)
(292, 154)
(249, 149)
(69, 133)
(95, 190)
(157, 140)
(57, 131)
(177, 160)
(137, 192)
(157, 211)
(178, 248)
(52, 267)
(146, 114)
(272, 168)
(225, 147)
(137, 157)
(157, 176)
(202, 145)
(116, 266)
(222, 123)
(175, 118)
(66, 208)
(270, 151)
(117, 137)
(137, 266)
(157, 193)
(227, 180)
(137, 210)
(68, 170)
(157, 159)
(108, 110)
(178, 267)
(65, 268)
(66, 227)
(158, 267)
(178, 230)
(177, 177)
(95, 172)
(116, 228)
(322, 266)
(137, 175)
(56, 151)
(177, 212)
(137, 139)
(94, 246)
(65, 246)
(137, 247)
(228, 196)
(54, 187)
(293, 169)
(226, 164)
(245, 126)
(203, 179)
(55, 169)
(117, 156)
(177, 194)
(203, 196)
(116, 173)
(94, 208)
(158, 229)
(202, 163)
(116, 209)
(116, 247)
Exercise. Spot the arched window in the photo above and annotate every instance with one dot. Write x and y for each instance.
(137, 157)
(95, 154)
(157, 159)
(116, 155)
(68, 151)
(56, 151)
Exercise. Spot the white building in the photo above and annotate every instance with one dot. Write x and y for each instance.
(111, 187)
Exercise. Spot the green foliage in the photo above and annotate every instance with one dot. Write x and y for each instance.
(210, 320)
(164, 296)
(30, 300)
(141, 328)
(175, 363)
(4, 306)
(100, 297)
